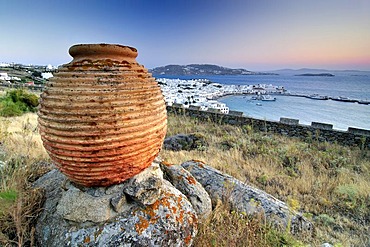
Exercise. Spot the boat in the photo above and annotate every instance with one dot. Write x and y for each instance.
(264, 97)
(268, 98)
(317, 97)
(364, 102)
(344, 99)
(259, 104)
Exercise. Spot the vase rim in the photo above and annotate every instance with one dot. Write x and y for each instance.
(102, 50)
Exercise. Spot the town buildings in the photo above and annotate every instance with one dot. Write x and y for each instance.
(203, 93)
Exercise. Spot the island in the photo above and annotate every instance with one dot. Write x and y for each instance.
(319, 74)
(202, 69)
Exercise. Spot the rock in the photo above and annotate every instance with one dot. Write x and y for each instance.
(145, 187)
(53, 183)
(326, 245)
(185, 142)
(169, 221)
(77, 200)
(75, 205)
(245, 198)
(117, 202)
(190, 187)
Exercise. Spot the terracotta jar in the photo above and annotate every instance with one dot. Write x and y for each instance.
(102, 117)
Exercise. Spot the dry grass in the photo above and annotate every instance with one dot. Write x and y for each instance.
(20, 205)
(20, 138)
(232, 229)
(329, 182)
(21, 149)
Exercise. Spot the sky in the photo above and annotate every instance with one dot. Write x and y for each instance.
(257, 35)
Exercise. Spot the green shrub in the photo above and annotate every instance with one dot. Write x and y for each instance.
(9, 195)
(352, 198)
(263, 179)
(325, 219)
(16, 102)
(277, 238)
(9, 109)
(347, 192)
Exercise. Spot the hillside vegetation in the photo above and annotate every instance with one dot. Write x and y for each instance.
(327, 182)
(16, 102)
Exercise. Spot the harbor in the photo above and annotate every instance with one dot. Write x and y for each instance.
(204, 93)
(279, 101)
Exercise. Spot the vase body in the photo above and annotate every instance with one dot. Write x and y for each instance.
(102, 117)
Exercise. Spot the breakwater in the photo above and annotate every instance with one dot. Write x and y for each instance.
(286, 126)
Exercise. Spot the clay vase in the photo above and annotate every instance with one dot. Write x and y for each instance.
(102, 117)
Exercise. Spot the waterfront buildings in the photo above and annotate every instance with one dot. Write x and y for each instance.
(203, 93)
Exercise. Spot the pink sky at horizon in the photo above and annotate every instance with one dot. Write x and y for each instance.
(255, 35)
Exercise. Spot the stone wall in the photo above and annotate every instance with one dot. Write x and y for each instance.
(286, 126)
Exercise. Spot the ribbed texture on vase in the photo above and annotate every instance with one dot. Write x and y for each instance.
(102, 120)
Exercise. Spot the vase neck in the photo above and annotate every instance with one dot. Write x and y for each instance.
(98, 52)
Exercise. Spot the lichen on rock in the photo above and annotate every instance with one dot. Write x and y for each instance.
(190, 187)
(169, 221)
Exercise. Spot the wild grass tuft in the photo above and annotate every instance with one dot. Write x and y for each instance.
(230, 228)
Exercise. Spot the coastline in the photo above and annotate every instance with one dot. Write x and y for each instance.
(308, 96)
(179, 90)
(341, 115)
(206, 95)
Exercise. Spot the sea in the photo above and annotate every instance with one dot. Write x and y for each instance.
(340, 114)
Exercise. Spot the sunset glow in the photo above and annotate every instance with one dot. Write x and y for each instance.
(256, 35)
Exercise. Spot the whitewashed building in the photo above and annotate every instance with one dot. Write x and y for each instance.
(4, 77)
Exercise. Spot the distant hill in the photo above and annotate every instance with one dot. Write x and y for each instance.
(201, 69)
